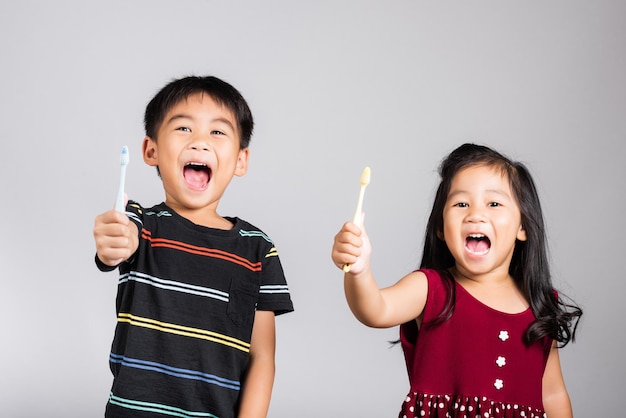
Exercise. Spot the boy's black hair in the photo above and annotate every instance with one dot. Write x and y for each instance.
(529, 265)
(219, 90)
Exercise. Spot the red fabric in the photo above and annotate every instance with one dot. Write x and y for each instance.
(476, 360)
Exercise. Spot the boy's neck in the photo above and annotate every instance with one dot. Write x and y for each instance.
(207, 217)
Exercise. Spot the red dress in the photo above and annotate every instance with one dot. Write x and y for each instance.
(475, 364)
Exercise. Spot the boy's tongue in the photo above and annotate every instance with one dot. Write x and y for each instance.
(477, 245)
(197, 179)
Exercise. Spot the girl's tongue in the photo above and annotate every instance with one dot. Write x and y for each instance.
(197, 177)
(478, 245)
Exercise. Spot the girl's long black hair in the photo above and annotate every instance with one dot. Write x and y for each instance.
(529, 266)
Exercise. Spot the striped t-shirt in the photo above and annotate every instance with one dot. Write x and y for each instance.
(185, 308)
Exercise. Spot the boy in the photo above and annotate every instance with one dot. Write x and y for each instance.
(197, 292)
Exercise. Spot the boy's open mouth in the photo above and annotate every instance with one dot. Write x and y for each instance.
(197, 175)
(477, 244)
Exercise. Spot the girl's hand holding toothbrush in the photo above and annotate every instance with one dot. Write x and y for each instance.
(352, 246)
(351, 243)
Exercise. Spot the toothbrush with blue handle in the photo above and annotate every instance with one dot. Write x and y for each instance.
(124, 157)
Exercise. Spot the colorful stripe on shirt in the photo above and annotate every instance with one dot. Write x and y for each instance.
(273, 288)
(174, 371)
(173, 285)
(193, 249)
(184, 331)
(155, 407)
(255, 234)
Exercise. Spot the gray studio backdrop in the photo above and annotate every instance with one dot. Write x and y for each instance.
(334, 86)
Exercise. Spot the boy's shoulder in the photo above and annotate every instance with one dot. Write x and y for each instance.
(159, 209)
(247, 230)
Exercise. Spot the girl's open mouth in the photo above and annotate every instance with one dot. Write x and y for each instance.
(197, 175)
(477, 244)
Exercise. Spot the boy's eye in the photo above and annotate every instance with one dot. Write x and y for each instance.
(183, 128)
(217, 133)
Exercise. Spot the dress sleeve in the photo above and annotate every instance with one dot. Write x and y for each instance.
(409, 332)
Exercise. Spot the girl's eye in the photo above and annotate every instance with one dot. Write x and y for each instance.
(461, 205)
(494, 204)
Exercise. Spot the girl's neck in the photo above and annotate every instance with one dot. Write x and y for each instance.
(496, 277)
(495, 289)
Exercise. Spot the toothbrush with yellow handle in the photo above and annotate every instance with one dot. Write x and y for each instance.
(365, 180)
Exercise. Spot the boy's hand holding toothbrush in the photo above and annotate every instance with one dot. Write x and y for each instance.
(115, 235)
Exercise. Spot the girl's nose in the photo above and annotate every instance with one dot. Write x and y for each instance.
(475, 215)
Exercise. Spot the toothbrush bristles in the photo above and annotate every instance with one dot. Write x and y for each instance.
(124, 156)
(365, 176)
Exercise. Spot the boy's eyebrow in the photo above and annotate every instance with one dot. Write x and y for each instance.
(185, 116)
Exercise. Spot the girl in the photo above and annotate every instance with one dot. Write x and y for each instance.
(480, 323)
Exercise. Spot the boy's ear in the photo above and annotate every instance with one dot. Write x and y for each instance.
(149, 151)
(242, 162)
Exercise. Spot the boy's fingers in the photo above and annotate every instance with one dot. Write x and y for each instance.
(113, 217)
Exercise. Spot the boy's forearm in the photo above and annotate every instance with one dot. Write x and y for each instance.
(257, 386)
(257, 389)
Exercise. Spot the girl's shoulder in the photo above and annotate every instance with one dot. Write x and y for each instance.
(441, 295)
(439, 282)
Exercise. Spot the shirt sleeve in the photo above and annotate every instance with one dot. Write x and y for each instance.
(274, 293)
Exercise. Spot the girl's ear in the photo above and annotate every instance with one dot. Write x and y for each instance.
(242, 162)
(521, 234)
(149, 151)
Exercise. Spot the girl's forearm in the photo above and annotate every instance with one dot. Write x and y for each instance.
(558, 405)
(363, 297)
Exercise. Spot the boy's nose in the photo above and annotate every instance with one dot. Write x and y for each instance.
(200, 144)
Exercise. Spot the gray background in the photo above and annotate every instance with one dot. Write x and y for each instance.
(334, 86)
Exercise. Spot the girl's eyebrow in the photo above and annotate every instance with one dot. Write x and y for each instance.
(498, 192)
